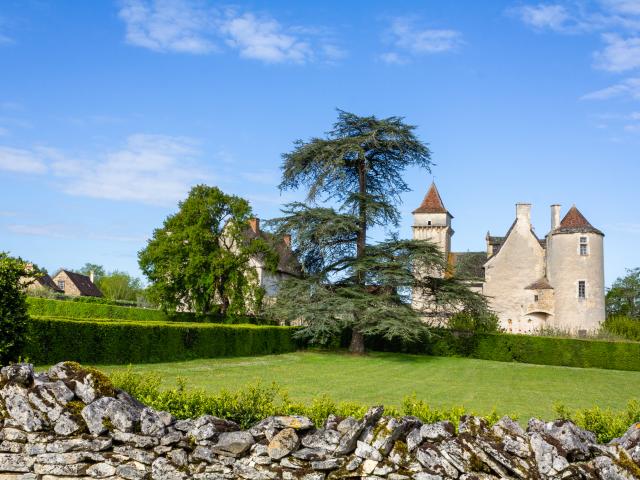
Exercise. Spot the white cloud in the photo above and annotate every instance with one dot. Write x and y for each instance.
(21, 161)
(151, 169)
(544, 16)
(632, 128)
(405, 35)
(193, 26)
(629, 87)
(264, 39)
(168, 25)
(619, 54)
(53, 231)
(70, 232)
(625, 7)
(393, 58)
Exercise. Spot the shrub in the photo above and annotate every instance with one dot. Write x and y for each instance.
(626, 327)
(607, 424)
(254, 402)
(503, 347)
(13, 308)
(90, 309)
(102, 342)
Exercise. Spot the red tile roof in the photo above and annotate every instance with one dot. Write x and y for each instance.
(575, 222)
(432, 202)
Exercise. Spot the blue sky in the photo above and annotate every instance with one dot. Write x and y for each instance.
(110, 111)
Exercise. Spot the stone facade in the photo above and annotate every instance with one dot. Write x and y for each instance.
(70, 423)
(75, 284)
(531, 283)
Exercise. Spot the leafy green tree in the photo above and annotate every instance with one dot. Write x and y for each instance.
(13, 306)
(349, 282)
(623, 298)
(98, 271)
(200, 258)
(118, 285)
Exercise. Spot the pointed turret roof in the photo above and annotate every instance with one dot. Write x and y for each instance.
(575, 222)
(432, 202)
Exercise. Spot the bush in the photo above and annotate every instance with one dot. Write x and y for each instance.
(254, 402)
(503, 347)
(607, 424)
(52, 340)
(89, 309)
(626, 327)
(13, 308)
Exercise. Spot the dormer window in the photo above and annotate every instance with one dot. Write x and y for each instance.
(584, 247)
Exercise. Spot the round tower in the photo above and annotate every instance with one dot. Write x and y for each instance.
(575, 269)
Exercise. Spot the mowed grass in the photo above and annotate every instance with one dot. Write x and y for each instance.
(383, 378)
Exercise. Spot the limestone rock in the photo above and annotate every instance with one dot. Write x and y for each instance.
(233, 443)
(283, 444)
(18, 374)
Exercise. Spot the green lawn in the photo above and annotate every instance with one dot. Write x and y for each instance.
(479, 385)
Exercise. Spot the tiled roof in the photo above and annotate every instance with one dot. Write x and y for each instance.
(432, 202)
(575, 222)
(540, 284)
(47, 282)
(83, 283)
(287, 261)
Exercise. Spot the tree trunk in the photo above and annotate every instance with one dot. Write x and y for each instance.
(357, 339)
(357, 343)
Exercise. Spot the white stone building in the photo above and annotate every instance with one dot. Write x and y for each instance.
(531, 283)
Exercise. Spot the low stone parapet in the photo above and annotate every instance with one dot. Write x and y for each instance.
(71, 423)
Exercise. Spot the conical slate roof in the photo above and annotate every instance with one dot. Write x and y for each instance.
(575, 222)
(432, 202)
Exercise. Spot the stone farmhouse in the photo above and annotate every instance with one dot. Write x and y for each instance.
(531, 283)
(288, 265)
(75, 284)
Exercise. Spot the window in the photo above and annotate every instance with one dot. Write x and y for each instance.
(429, 222)
(583, 246)
(582, 289)
(61, 284)
(535, 299)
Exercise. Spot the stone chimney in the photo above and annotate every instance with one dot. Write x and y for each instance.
(287, 239)
(555, 216)
(254, 223)
(523, 212)
(91, 276)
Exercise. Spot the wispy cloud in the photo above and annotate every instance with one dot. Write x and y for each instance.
(196, 27)
(627, 227)
(263, 39)
(150, 169)
(22, 161)
(545, 17)
(629, 87)
(4, 38)
(64, 231)
(169, 25)
(620, 54)
(409, 39)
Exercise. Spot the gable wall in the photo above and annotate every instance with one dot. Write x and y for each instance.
(520, 262)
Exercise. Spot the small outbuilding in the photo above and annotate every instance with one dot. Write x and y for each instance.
(75, 284)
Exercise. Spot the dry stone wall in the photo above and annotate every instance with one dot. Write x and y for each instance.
(70, 423)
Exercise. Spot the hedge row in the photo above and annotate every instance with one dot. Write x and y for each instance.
(45, 307)
(54, 340)
(502, 347)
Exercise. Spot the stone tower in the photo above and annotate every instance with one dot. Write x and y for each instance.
(575, 268)
(431, 221)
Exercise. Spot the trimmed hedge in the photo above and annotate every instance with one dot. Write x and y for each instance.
(108, 342)
(503, 347)
(45, 307)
